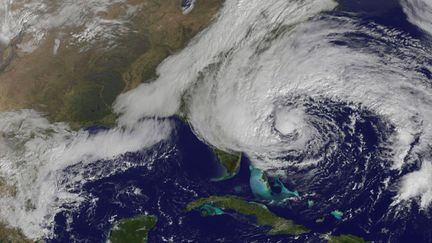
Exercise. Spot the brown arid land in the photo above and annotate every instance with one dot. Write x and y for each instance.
(78, 82)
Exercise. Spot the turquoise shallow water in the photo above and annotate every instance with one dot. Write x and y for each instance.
(175, 180)
(259, 183)
(337, 214)
(210, 210)
(261, 188)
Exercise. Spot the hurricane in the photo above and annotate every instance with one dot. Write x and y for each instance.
(264, 85)
(306, 94)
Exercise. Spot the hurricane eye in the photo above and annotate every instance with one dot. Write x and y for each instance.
(290, 121)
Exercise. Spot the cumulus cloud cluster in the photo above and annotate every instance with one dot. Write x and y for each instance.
(418, 185)
(235, 83)
(35, 18)
(233, 78)
(34, 153)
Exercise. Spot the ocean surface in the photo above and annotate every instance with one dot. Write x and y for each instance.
(351, 164)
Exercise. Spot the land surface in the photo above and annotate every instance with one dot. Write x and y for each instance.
(6, 189)
(78, 82)
(260, 212)
(346, 239)
(134, 229)
(262, 215)
(229, 161)
(10, 235)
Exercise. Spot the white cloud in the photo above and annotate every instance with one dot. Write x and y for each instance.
(34, 153)
(35, 18)
(418, 184)
(273, 50)
(233, 78)
(419, 12)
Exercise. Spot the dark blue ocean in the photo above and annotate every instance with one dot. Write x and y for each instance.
(181, 170)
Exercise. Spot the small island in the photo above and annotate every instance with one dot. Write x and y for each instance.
(261, 213)
(337, 214)
(134, 229)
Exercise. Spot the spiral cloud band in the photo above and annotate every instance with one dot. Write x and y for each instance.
(419, 12)
(266, 78)
(250, 87)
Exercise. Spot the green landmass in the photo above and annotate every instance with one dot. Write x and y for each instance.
(262, 215)
(81, 81)
(346, 239)
(12, 235)
(134, 229)
(229, 161)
